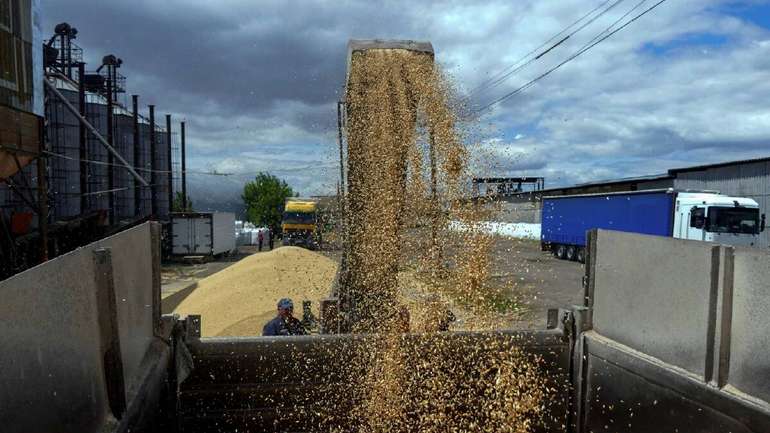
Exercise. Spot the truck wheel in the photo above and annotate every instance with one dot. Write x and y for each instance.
(571, 253)
(561, 251)
(581, 255)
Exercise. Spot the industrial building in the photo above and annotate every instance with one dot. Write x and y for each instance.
(744, 178)
(83, 164)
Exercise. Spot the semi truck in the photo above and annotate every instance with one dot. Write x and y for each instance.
(299, 223)
(696, 215)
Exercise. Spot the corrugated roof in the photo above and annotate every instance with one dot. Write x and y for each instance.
(652, 177)
(674, 171)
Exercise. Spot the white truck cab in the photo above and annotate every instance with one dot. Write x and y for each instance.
(712, 217)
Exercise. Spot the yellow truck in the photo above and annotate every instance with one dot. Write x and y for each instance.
(299, 223)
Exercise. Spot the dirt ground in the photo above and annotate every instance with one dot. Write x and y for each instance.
(536, 279)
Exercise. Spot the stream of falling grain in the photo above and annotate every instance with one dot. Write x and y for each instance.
(407, 173)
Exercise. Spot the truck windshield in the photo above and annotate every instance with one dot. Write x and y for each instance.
(733, 220)
(298, 218)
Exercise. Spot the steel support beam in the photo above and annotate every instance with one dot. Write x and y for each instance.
(110, 159)
(137, 155)
(153, 163)
(169, 165)
(184, 166)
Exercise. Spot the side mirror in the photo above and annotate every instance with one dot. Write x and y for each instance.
(762, 224)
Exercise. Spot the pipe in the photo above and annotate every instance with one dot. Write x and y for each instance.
(170, 170)
(184, 168)
(82, 150)
(137, 155)
(110, 159)
(94, 131)
(42, 197)
(153, 163)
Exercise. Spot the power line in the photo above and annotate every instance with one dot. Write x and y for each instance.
(146, 170)
(570, 58)
(506, 73)
(206, 173)
(622, 17)
(589, 22)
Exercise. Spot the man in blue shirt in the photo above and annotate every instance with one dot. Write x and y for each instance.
(284, 323)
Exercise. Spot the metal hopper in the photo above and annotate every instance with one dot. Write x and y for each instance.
(357, 45)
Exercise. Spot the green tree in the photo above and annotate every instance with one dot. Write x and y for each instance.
(264, 198)
(179, 206)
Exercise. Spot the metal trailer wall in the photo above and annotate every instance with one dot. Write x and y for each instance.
(566, 219)
(290, 383)
(81, 336)
(749, 179)
(222, 232)
(674, 336)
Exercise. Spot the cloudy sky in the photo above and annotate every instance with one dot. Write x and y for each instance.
(257, 81)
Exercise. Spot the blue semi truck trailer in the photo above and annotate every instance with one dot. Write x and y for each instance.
(705, 216)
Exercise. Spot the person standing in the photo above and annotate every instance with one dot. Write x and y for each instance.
(270, 238)
(284, 323)
(260, 237)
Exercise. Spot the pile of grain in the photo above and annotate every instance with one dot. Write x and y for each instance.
(240, 299)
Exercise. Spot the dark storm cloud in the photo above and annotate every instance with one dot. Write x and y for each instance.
(192, 53)
(245, 56)
(257, 81)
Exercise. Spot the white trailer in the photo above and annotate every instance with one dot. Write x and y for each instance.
(202, 233)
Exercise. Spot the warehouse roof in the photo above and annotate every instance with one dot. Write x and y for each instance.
(634, 179)
(671, 174)
(674, 171)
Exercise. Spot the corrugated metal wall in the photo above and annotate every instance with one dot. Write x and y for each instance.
(750, 179)
(124, 181)
(145, 194)
(161, 162)
(65, 194)
(64, 165)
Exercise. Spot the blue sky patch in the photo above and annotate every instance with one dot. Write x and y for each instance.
(710, 40)
(756, 13)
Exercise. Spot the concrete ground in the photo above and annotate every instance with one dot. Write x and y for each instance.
(179, 275)
(536, 279)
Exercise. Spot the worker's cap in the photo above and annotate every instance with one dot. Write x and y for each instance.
(285, 304)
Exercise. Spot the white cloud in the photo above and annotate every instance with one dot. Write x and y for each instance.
(258, 84)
